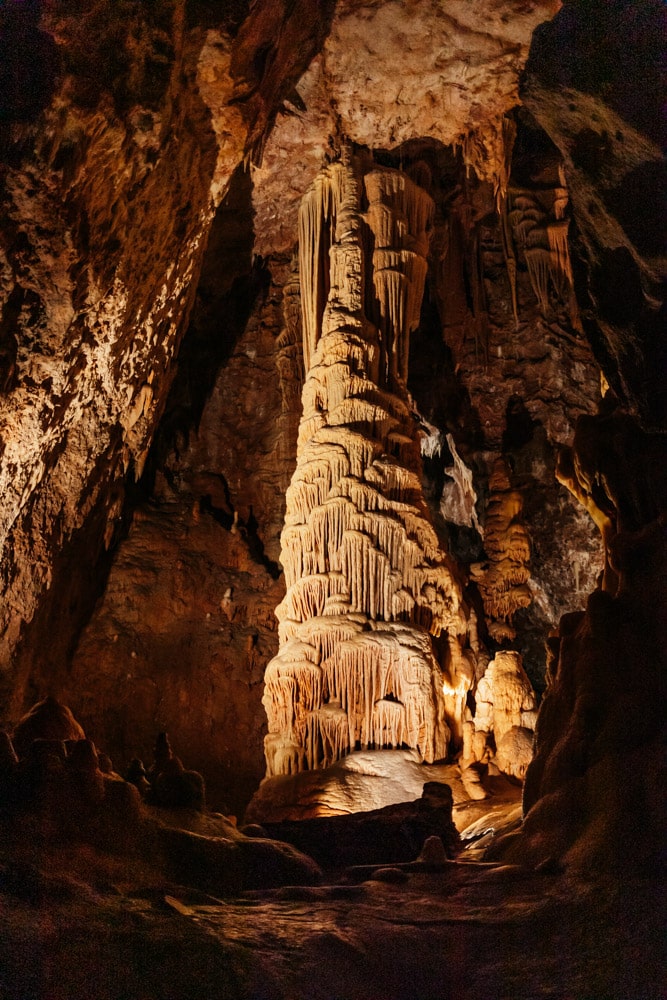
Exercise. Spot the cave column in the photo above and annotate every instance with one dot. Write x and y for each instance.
(366, 580)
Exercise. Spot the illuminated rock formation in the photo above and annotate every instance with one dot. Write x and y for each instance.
(503, 578)
(601, 469)
(504, 696)
(505, 703)
(366, 579)
(505, 714)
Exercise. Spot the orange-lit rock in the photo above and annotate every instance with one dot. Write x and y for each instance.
(502, 728)
(117, 264)
(503, 578)
(365, 578)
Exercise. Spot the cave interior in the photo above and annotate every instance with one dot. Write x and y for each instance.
(333, 499)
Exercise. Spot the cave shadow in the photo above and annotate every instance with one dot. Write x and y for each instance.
(604, 49)
(29, 66)
(230, 285)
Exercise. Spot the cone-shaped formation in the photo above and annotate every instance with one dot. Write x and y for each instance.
(47, 720)
(366, 579)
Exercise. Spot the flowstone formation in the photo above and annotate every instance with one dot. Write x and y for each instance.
(503, 578)
(535, 222)
(367, 582)
(502, 729)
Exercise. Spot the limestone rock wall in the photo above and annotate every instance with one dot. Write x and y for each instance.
(593, 791)
(181, 638)
(106, 203)
(594, 83)
(506, 386)
(117, 142)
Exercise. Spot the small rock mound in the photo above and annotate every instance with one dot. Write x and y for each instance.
(46, 720)
(171, 785)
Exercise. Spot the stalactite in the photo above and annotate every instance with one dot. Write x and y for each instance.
(328, 735)
(559, 248)
(510, 257)
(366, 578)
(319, 206)
(478, 318)
(536, 221)
(538, 261)
(400, 216)
(508, 135)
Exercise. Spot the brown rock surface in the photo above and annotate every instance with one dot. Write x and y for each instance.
(396, 833)
(98, 257)
(124, 288)
(131, 931)
(185, 660)
(600, 729)
(193, 590)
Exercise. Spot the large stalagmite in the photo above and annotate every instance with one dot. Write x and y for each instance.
(366, 579)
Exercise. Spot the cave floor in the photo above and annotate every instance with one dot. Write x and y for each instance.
(79, 925)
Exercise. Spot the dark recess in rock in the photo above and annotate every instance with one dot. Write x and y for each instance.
(229, 287)
(640, 205)
(607, 49)
(28, 65)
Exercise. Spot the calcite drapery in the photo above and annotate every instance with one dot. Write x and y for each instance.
(536, 223)
(366, 579)
(506, 710)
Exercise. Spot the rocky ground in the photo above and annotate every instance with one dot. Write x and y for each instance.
(81, 925)
(109, 891)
